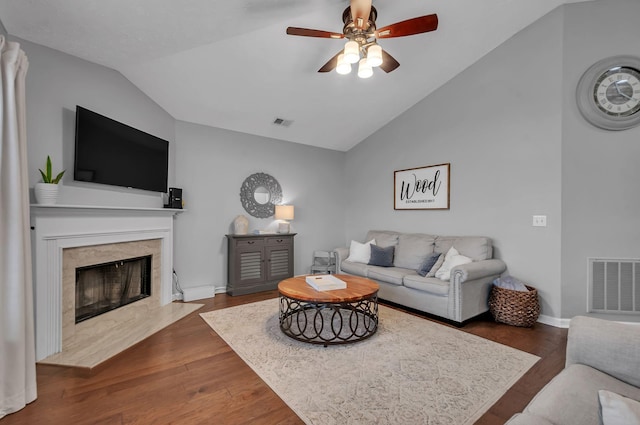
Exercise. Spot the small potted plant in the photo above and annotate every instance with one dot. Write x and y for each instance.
(47, 191)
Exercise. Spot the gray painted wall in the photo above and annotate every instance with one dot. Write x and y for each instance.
(211, 165)
(508, 125)
(56, 83)
(499, 124)
(3, 30)
(600, 172)
(518, 146)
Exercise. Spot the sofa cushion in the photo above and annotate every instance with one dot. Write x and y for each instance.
(572, 396)
(383, 237)
(427, 284)
(477, 248)
(412, 250)
(382, 257)
(360, 252)
(527, 419)
(350, 267)
(393, 275)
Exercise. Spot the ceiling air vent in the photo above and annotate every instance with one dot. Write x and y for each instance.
(282, 122)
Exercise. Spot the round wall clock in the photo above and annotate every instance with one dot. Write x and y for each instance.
(608, 93)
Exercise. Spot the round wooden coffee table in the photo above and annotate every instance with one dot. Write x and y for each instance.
(338, 316)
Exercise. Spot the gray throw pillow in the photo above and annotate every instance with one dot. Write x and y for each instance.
(428, 264)
(381, 256)
(436, 266)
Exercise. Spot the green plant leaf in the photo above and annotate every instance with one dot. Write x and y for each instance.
(44, 176)
(47, 177)
(48, 169)
(57, 179)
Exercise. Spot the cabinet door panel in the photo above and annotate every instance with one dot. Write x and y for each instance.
(280, 265)
(250, 266)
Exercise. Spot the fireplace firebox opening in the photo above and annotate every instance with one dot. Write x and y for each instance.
(104, 287)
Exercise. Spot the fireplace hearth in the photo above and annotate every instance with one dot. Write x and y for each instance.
(104, 287)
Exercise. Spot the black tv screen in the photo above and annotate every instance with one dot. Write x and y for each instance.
(110, 152)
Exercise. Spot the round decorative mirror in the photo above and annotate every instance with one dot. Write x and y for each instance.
(259, 194)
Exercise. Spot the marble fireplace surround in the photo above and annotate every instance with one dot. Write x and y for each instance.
(67, 236)
(82, 256)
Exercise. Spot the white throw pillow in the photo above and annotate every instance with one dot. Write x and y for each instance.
(360, 252)
(452, 252)
(618, 410)
(452, 259)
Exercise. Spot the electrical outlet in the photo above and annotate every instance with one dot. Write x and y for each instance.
(540, 220)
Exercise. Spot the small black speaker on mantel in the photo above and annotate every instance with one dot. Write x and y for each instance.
(175, 198)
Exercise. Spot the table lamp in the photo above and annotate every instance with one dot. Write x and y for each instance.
(284, 212)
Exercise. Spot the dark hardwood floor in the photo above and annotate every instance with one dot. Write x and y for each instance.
(186, 374)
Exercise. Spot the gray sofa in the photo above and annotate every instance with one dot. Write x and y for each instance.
(462, 297)
(601, 355)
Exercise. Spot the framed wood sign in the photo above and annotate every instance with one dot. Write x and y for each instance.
(424, 188)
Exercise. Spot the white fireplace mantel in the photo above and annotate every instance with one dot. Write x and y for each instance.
(56, 227)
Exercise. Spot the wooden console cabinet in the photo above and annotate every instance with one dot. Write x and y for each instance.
(258, 262)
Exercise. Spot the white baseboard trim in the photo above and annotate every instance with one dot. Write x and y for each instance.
(221, 289)
(197, 293)
(564, 323)
(554, 321)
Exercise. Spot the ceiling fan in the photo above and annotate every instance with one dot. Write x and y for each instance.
(360, 29)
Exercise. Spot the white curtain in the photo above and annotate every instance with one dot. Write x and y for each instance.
(17, 339)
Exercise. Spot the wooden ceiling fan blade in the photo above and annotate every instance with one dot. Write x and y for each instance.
(331, 65)
(411, 26)
(306, 32)
(360, 11)
(388, 62)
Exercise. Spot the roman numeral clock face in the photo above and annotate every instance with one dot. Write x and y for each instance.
(617, 91)
(609, 93)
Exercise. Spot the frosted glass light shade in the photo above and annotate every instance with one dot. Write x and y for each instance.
(364, 69)
(374, 55)
(284, 212)
(343, 66)
(351, 52)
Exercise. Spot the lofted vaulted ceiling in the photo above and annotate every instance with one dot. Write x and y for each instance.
(230, 64)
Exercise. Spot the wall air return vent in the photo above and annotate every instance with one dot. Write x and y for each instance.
(614, 286)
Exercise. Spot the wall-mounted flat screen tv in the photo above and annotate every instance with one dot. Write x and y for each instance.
(113, 153)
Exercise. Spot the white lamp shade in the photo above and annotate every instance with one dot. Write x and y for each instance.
(284, 212)
(364, 69)
(374, 55)
(343, 66)
(351, 52)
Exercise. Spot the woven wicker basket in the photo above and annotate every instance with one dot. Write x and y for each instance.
(515, 308)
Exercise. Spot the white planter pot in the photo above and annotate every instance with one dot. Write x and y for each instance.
(46, 193)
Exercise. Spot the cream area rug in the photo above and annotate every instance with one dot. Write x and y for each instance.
(412, 371)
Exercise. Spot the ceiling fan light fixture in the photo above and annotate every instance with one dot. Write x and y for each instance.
(343, 66)
(351, 51)
(364, 69)
(374, 55)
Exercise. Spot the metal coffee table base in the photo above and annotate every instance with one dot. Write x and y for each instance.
(328, 323)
